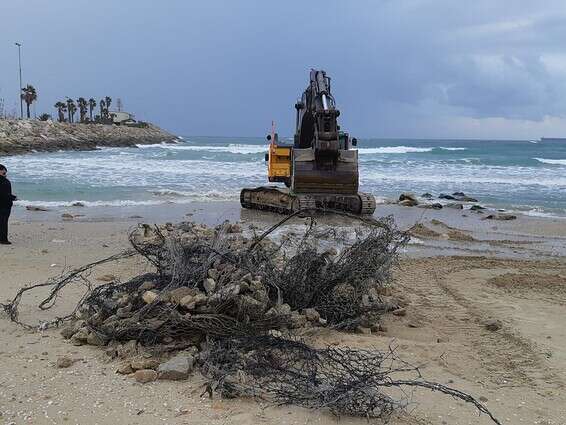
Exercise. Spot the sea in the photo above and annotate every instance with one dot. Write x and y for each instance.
(516, 175)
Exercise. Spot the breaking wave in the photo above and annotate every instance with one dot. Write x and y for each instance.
(231, 148)
(393, 150)
(552, 161)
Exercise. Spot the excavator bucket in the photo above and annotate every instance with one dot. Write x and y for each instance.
(339, 175)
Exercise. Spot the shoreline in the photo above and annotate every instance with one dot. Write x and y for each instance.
(19, 137)
(446, 232)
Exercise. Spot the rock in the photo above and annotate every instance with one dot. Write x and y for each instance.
(209, 285)
(427, 195)
(455, 206)
(146, 286)
(124, 368)
(34, 208)
(234, 228)
(191, 301)
(80, 337)
(408, 203)
(213, 274)
(64, 362)
(435, 206)
(145, 375)
(143, 363)
(399, 312)
(107, 278)
(94, 338)
(483, 399)
(461, 196)
(311, 314)
(128, 349)
(477, 208)
(363, 330)
(499, 216)
(466, 199)
(332, 252)
(67, 216)
(297, 320)
(68, 331)
(177, 294)
(149, 296)
(408, 196)
(247, 277)
(250, 306)
(77, 204)
(177, 368)
(492, 325)
(279, 310)
(444, 196)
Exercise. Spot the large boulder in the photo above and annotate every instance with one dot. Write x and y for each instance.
(408, 203)
(177, 368)
(408, 196)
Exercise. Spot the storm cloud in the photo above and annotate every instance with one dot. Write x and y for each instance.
(410, 68)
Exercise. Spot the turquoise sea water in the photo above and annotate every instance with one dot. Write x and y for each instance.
(519, 175)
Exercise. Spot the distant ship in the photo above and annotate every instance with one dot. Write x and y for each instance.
(553, 139)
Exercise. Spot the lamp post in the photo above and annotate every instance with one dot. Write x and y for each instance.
(20, 89)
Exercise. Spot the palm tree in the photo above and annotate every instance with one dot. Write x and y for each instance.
(71, 109)
(102, 108)
(61, 109)
(83, 107)
(108, 101)
(91, 106)
(29, 95)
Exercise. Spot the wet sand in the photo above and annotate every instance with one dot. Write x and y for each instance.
(513, 271)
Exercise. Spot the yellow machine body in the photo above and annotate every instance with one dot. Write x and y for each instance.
(279, 162)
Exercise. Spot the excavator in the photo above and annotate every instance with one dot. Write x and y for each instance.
(320, 168)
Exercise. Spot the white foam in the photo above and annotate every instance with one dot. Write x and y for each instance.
(552, 161)
(231, 148)
(192, 197)
(393, 150)
(452, 149)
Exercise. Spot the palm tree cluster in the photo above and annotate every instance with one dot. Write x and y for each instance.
(85, 107)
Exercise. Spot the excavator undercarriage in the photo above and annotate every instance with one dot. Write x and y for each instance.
(320, 169)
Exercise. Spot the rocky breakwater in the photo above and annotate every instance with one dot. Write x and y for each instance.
(23, 136)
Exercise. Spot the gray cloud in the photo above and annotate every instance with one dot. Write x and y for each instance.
(401, 69)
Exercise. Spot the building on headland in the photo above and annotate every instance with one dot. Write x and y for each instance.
(121, 117)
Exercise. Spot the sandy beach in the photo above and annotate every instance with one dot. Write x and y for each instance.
(454, 275)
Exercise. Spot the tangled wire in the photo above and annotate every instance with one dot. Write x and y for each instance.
(344, 380)
(228, 294)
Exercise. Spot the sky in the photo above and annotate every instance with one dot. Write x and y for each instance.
(399, 68)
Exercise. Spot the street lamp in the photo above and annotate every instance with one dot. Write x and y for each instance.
(20, 89)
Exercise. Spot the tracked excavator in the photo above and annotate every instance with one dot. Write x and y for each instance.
(320, 168)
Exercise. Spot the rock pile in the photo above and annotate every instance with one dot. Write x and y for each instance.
(217, 282)
(411, 200)
(23, 136)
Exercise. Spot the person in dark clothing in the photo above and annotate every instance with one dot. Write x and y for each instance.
(6, 201)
